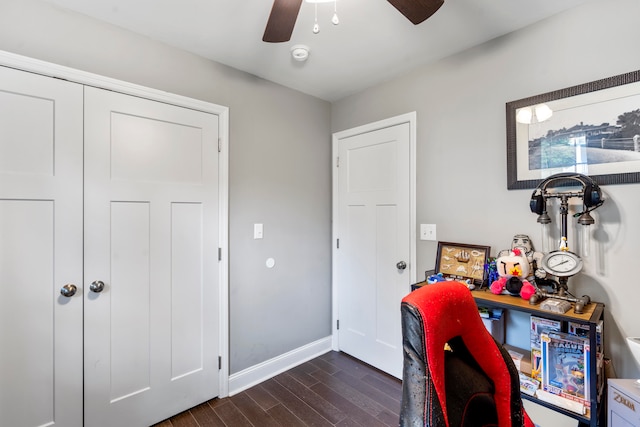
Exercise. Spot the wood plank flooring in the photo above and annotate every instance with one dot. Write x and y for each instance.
(331, 390)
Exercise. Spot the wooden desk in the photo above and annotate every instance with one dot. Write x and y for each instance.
(592, 315)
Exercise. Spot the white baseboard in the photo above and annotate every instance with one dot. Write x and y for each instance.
(263, 371)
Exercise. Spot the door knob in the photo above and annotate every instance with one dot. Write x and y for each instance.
(96, 286)
(68, 290)
(401, 265)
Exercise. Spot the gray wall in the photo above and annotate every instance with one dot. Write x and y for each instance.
(280, 157)
(280, 171)
(460, 103)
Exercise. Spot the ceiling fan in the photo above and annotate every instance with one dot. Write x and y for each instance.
(285, 12)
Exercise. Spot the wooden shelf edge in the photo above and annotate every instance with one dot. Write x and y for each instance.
(591, 313)
(585, 419)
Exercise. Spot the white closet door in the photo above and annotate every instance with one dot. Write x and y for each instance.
(40, 250)
(151, 233)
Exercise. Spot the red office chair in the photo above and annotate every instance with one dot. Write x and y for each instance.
(475, 384)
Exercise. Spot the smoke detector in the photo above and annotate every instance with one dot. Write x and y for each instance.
(300, 52)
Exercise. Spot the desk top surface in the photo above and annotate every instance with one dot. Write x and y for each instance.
(591, 312)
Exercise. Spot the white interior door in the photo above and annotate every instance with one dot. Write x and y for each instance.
(151, 237)
(40, 250)
(374, 230)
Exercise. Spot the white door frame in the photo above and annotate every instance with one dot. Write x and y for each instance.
(410, 118)
(53, 70)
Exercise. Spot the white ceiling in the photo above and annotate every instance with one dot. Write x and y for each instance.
(373, 42)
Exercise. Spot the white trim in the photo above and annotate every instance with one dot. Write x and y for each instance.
(223, 236)
(410, 118)
(36, 66)
(268, 369)
(24, 63)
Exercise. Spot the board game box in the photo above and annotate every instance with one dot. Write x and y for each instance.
(565, 366)
(538, 326)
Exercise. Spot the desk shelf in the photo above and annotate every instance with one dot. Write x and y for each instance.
(592, 315)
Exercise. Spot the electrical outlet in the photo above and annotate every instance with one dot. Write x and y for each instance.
(428, 232)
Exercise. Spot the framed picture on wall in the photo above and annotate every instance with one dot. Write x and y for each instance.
(592, 129)
(461, 261)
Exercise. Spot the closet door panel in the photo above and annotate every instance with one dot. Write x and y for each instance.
(25, 148)
(147, 150)
(151, 213)
(40, 250)
(187, 291)
(130, 301)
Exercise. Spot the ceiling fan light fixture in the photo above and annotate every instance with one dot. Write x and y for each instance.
(334, 20)
(316, 27)
(284, 13)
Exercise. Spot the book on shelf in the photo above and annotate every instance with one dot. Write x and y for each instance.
(490, 313)
(565, 366)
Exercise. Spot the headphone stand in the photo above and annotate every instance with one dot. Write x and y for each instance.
(592, 198)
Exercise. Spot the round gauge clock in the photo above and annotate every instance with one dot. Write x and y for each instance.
(561, 263)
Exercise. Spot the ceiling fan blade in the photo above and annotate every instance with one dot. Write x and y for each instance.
(417, 11)
(281, 21)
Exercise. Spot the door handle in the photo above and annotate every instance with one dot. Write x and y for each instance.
(96, 286)
(401, 265)
(68, 290)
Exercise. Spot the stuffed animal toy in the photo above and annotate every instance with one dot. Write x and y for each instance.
(513, 270)
(523, 242)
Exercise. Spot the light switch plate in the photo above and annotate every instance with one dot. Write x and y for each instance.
(428, 232)
(257, 231)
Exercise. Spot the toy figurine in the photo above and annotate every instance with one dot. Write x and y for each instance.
(513, 270)
(434, 278)
(523, 242)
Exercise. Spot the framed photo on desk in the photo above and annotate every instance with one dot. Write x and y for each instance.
(461, 261)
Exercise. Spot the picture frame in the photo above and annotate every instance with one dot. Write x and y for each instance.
(460, 261)
(594, 130)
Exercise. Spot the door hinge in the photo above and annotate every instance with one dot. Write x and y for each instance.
(337, 243)
(219, 254)
(219, 362)
(338, 161)
(219, 145)
(338, 324)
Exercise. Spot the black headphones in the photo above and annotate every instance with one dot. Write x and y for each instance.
(591, 194)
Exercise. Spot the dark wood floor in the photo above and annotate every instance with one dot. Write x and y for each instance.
(331, 390)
